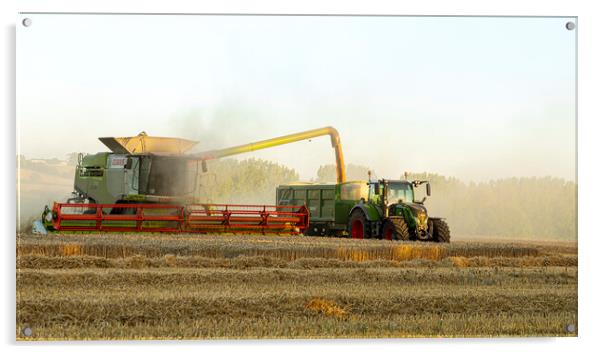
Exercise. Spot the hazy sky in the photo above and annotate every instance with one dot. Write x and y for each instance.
(475, 98)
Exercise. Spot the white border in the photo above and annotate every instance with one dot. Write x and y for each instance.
(589, 162)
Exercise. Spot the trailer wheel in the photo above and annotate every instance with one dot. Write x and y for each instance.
(441, 231)
(396, 228)
(357, 225)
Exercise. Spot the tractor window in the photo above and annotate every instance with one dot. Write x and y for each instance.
(354, 191)
(400, 191)
(375, 198)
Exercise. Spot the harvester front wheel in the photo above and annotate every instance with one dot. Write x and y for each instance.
(90, 210)
(357, 226)
(396, 228)
(441, 231)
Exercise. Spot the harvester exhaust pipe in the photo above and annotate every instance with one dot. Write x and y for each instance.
(335, 141)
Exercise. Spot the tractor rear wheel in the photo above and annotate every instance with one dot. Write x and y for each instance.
(441, 231)
(358, 225)
(396, 228)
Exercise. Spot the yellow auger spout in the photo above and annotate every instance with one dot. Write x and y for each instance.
(282, 140)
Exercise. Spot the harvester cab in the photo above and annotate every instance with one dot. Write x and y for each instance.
(140, 169)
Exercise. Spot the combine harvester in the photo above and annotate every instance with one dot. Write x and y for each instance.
(150, 184)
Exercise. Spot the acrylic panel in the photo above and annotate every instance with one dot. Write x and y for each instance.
(202, 176)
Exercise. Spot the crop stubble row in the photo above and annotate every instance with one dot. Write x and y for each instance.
(216, 287)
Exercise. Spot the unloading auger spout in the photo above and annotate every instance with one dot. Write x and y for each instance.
(282, 140)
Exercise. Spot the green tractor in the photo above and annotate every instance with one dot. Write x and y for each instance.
(384, 209)
(391, 212)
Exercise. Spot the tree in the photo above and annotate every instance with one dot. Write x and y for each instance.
(251, 181)
(529, 207)
(328, 173)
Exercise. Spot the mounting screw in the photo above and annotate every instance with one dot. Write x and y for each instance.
(570, 25)
(27, 332)
(570, 328)
(27, 22)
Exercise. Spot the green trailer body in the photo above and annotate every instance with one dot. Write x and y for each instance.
(329, 205)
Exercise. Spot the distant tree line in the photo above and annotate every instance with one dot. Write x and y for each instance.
(533, 207)
(250, 181)
(542, 207)
(328, 173)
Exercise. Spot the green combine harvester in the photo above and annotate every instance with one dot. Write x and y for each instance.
(152, 184)
(384, 209)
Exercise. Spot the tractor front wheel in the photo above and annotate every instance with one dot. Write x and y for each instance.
(396, 228)
(441, 231)
(357, 226)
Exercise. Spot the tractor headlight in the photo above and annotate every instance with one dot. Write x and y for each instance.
(422, 217)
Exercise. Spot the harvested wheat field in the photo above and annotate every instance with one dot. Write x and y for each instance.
(119, 286)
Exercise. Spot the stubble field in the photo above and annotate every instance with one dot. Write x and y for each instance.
(120, 286)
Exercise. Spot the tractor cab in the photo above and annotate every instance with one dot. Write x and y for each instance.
(396, 202)
(386, 193)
